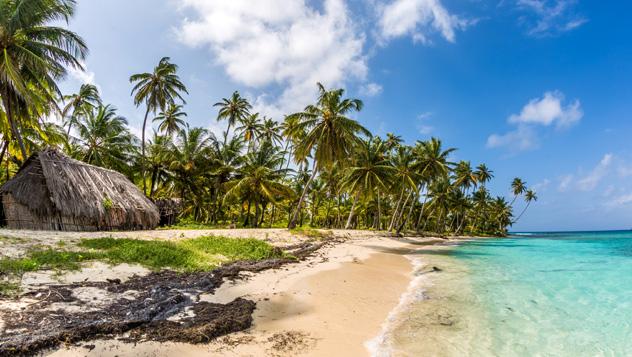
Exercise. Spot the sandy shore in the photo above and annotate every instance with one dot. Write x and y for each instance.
(330, 304)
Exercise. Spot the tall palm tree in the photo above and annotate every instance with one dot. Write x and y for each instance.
(370, 172)
(33, 55)
(105, 138)
(171, 120)
(156, 90)
(464, 177)
(483, 174)
(518, 187)
(406, 176)
(233, 109)
(330, 134)
(189, 158)
(259, 180)
(251, 129)
(529, 197)
(271, 131)
(83, 101)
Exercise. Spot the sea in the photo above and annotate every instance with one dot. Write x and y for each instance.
(530, 294)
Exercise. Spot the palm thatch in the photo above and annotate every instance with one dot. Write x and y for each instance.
(52, 191)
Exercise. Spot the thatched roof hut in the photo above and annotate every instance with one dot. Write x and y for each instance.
(54, 192)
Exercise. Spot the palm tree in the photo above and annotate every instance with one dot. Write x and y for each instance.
(189, 158)
(105, 139)
(270, 131)
(483, 174)
(233, 109)
(393, 141)
(370, 172)
(464, 177)
(251, 129)
(330, 134)
(171, 120)
(406, 176)
(529, 196)
(85, 100)
(159, 152)
(501, 214)
(34, 55)
(156, 90)
(259, 180)
(518, 187)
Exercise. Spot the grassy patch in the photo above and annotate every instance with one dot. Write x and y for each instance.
(44, 259)
(9, 288)
(311, 232)
(198, 254)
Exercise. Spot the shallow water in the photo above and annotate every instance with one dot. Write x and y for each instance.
(549, 294)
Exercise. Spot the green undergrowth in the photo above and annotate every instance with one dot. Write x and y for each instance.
(187, 255)
(312, 233)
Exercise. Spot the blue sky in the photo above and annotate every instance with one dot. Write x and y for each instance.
(539, 89)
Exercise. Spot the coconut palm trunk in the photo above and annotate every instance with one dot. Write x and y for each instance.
(292, 223)
(399, 202)
(352, 212)
(15, 132)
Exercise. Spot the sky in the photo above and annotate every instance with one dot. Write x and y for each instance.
(538, 89)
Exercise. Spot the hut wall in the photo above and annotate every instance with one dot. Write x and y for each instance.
(19, 216)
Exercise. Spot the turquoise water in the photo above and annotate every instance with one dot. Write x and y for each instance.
(553, 294)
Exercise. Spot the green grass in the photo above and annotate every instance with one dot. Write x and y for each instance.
(311, 232)
(9, 288)
(197, 254)
(44, 259)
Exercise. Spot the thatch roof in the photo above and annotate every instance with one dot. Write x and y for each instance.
(50, 183)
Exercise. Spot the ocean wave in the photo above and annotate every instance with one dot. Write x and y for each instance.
(380, 345)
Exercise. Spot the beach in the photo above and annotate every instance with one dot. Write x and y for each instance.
(338, 300)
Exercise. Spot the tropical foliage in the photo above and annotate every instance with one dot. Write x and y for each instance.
(319, 167)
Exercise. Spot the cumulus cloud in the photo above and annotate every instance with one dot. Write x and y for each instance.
(549, 109)
(544, 111)
(550, 17)
(416, 18)
(278, 42)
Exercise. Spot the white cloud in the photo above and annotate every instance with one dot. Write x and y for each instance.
(278, 42)
(565, 183)
(542, 185)
(590, 181)
(549, 109)
(620, 200)
(416, 18)
(550, 17)
(82, 76)
(371, 89)
(544, 111)
(521, 139)
(422, 126)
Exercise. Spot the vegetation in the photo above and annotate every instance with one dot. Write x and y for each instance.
(198, 254)
(318, 167)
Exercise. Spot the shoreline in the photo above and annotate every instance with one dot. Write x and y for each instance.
(340, 299)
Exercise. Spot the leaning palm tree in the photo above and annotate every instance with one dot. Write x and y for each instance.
(34, 55)
(330, 134)
(529, 196)
(171, 120)
(518, 187)
(233, 109)
(156, 90)
(464, 177)
(83, 101)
